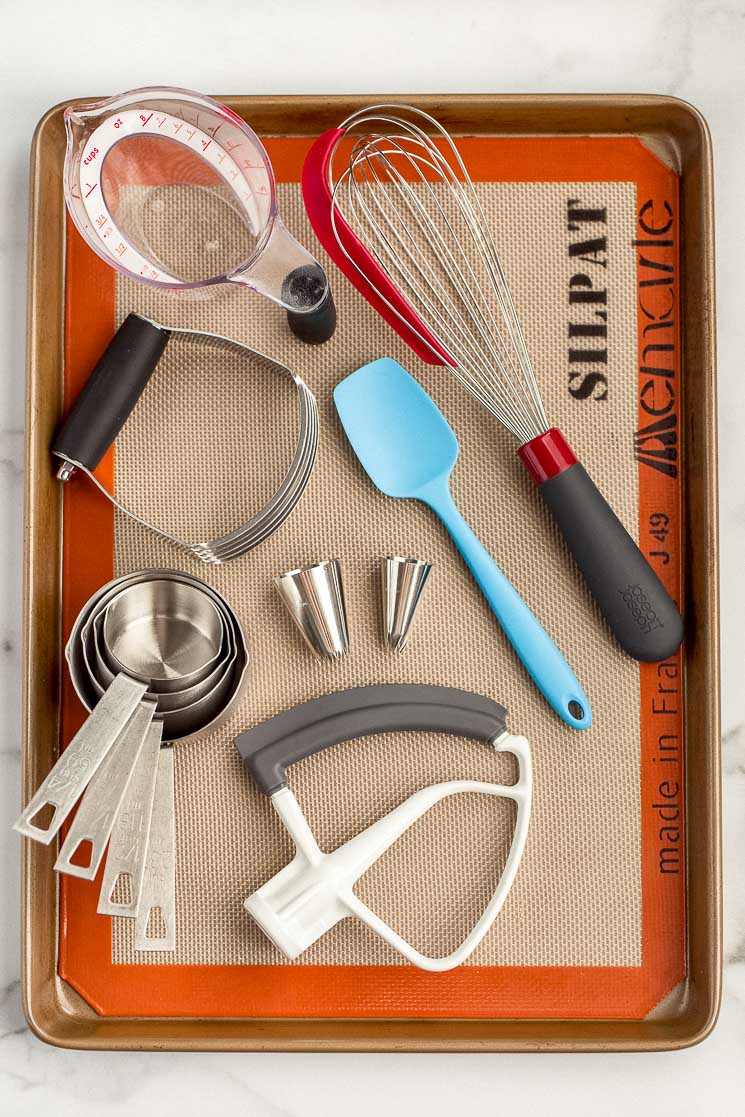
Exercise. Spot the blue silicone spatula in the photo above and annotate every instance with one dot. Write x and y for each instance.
(408, 450)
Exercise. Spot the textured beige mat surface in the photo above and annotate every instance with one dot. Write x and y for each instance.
(203, 450)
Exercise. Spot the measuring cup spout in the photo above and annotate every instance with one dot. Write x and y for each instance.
(73, 122)
(78, 120)
(77, 131)
(81, 120)
(286, 273)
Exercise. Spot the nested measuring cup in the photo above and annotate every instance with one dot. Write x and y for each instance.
(162, 631)
(168, 626)
(174, 189)
(166, 621)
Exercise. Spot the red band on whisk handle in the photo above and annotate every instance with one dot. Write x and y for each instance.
(547, 456)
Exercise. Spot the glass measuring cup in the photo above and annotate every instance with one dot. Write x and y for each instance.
(175, 190)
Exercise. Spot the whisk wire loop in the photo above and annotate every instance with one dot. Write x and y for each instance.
(410, 201)
(451, 302)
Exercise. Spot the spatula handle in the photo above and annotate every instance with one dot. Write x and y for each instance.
(542, 659)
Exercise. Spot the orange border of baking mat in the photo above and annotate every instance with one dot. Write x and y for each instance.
(403, 991)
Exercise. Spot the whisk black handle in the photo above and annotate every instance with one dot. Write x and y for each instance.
(643, 617)
(110, 393)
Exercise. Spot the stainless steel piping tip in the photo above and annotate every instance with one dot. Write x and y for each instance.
(314, 597)
(403, 582)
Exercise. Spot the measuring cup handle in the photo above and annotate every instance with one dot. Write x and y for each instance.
(80, 761)
(110, 392)
(314, 326)
(286, 273)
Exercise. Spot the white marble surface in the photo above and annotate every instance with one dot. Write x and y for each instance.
(693, 49)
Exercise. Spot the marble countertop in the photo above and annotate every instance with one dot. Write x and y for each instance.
(693, 49)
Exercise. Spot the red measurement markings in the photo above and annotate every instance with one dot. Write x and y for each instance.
(101, 220)
(90, 188)
(177, 128)
(121, 248)
(205, 144)
(161, 120)
(221, 157)
(145, 119)
(191, 134)
(234, 175)
(231, 147)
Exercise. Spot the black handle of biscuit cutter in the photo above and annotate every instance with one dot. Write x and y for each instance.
(110, 392)
(270, 748)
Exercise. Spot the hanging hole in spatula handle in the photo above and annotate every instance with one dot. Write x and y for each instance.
(110, 393)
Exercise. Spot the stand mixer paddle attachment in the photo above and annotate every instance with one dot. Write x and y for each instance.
(400, 216)
(315, 891)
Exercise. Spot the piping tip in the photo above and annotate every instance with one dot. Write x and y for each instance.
(314, 598)
(403, 582)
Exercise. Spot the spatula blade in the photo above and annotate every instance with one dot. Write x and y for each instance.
(396, 430)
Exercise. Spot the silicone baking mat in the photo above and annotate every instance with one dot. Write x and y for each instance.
(594, 925)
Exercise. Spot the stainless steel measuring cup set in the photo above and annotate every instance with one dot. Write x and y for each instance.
(157, 657)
